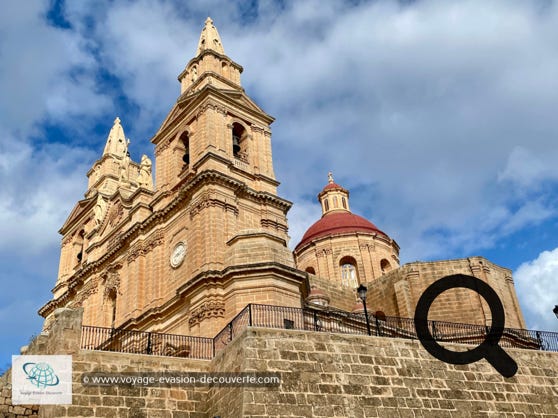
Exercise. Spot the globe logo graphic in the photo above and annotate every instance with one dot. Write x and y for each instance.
(40, 374)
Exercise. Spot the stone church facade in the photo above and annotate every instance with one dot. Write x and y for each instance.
(185, 253)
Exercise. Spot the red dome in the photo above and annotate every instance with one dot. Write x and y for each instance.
(330, 186)
(338, 223)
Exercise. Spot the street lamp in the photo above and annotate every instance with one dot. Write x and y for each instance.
(362, 295)
(555, 310)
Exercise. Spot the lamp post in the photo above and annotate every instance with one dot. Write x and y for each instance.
(362, 295)
(555, 310)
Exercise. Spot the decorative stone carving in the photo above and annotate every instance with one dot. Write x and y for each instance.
(177, 255)
(88, 289)
(116, 213)
(213, 106)
(100, 210)
(157, 239)
(211, 309)
(143, 247)
(162, 146)
(144, 178)
(124, 176)
(111, 282)
(370, 247)
(324, 252)
(206, 202)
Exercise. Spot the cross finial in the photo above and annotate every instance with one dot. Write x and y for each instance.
(330, 177)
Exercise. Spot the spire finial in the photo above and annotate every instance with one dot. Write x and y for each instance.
(330, 177)
(116, 141)
(210, 39)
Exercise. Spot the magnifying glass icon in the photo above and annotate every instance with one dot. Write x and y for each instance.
(489, 348)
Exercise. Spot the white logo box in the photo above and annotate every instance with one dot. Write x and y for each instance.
(41, 380)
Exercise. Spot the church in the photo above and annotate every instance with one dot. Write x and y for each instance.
(185, 252)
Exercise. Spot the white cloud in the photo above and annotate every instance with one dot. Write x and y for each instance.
(42, 69)
(47, 75)
(39, 187)
(526, 169)
(536, 282)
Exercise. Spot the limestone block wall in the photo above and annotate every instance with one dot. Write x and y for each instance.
(6, 407)
(339, 297)
(322, 375)
(132, 402)
(335, 375)
(398, 292)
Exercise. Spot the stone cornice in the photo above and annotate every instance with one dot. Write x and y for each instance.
(379, 237)
(198, 58)
(208, 74)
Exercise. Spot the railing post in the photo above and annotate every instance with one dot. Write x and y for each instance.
(250, 314)
(213, 343)
(434, 336)
(378, 329)
(148, 349)
(316, 321)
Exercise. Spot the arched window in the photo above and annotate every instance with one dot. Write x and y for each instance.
(185, 142)
(310, 270)
(326, 204)
(349, 276)
(344, 202)
(239, 136)
(385, 266)
(335, 205)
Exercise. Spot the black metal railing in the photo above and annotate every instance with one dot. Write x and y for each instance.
(142, 342)
(306, 319)
(337, 321)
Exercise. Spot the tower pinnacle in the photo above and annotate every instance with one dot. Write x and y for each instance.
(210, 39)
(116, 141)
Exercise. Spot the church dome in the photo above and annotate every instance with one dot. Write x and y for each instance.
(344, 247)
(331, 186)
(338, 223)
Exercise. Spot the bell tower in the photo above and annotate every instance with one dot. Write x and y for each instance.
(214, 124)
(214, 167)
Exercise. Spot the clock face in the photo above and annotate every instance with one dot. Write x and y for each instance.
(177, 256)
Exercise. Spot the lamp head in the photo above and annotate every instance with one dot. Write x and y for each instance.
(362, 292)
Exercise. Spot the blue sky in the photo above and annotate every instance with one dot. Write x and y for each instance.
(440, 117)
